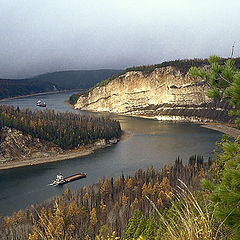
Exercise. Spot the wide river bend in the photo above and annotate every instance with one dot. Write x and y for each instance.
(148, 143)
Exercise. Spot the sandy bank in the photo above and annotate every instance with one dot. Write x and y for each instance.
(59, 157)
(44, 159)
(230, 131)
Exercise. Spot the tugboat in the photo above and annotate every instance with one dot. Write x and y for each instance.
(61, 180)
(40, 104)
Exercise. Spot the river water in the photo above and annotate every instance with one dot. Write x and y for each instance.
(148, 143)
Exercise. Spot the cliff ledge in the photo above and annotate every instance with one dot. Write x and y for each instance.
(165, 94)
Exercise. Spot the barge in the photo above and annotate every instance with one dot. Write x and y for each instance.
(41, 104)
(61, 180)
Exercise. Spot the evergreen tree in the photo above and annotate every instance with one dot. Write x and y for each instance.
(224, 81)
(132, 225)
(140, 228)
(226, 191)
(150, 228)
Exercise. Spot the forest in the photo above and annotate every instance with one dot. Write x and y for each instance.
(183, 65)
(107, 206)
(67, 130)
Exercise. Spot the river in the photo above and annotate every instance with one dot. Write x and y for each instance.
(149, 143)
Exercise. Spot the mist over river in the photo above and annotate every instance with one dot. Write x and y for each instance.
(146, 143)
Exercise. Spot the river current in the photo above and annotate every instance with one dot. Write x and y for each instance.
(147, 143)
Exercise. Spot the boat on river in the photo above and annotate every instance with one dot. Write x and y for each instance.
(41, 104)
(61, 180)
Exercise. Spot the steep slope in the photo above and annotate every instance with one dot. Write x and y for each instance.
(14, 145)
(164, 93)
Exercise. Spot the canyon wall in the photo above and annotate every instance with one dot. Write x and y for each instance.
(164, 94)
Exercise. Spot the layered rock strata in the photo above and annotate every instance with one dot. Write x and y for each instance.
(14, 145)
(165, 94)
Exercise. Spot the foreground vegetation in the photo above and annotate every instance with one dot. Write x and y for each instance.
(211, 213)
(104, 207)
(165, 204)
(67, 130)
(224, 81)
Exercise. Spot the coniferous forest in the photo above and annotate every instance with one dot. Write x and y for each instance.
(67, 130)
(105, 207)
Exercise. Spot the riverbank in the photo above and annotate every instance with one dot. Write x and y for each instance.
(220, 127)
(59, 157)
(230, 131)
(41, 93)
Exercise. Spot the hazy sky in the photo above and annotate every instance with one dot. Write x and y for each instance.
(38, 36)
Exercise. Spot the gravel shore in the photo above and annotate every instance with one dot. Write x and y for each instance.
(59, 157)
(41, 160)
(230, 131)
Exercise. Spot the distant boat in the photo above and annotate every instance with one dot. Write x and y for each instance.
(61, 180)
(41, 104)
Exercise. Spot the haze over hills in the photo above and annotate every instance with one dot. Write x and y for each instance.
(76, 79)
(64, 80)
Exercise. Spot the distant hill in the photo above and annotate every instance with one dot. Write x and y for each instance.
(64, 80)
(76, 79)
(12, 87)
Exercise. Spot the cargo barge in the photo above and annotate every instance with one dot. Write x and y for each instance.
(61, 180)
(41, 104)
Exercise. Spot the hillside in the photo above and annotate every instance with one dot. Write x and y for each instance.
(65, 80)
(164, 94)
(76, 79)
(13, 88)
(163, 91)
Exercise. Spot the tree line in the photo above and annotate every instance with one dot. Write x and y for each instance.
(67, 130)
(104, 207)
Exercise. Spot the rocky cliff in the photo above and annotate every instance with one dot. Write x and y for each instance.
(165, 94)
(14, 145)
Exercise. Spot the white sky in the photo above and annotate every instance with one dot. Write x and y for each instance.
(38, 36)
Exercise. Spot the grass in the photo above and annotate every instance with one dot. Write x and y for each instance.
(190, 219)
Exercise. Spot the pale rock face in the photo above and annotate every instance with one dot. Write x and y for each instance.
(135, 90)
(164, 94)
(16, 146)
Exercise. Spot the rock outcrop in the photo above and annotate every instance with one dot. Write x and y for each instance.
(14, 145)
(165, 94)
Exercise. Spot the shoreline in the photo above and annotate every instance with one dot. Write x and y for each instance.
(41, 93)
(225, 128)
(220, 127)
(217, 126)
(59, 157)
(87, 150)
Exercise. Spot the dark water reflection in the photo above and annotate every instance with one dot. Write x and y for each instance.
(151, 143)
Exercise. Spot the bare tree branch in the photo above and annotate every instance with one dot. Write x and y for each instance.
(232, 50)
(224, 79)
